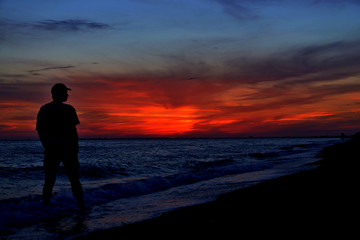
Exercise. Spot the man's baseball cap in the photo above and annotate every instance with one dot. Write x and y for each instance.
(59, 88)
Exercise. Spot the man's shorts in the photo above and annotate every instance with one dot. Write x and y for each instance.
(52, 161)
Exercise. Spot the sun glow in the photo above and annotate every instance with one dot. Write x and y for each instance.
(154, 120)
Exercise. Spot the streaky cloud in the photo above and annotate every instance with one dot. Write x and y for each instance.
(69, 25)
(51, 68)
(322, 62)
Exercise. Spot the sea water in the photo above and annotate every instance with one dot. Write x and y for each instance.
(129, 180)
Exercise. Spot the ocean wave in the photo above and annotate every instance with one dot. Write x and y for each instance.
(20, 212)
(16, 172)
(94, 172)
(85, 171)
(123, 174)
(259, 155)
(146, 185)
(198, 164)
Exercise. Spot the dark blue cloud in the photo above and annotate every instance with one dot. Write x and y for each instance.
(69, 25)
(51, 68)
(335, 2)
(240, 9)
(322, 62)
(237, 9)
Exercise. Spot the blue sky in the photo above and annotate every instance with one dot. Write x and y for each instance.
(143, 29)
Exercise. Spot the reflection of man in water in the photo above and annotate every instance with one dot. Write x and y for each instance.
(56, 126)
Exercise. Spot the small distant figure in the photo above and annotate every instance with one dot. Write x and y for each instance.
(342, 136)
(56, 126)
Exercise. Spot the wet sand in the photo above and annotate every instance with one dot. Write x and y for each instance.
(317, 203)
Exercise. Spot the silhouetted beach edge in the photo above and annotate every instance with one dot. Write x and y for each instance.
(317, 203)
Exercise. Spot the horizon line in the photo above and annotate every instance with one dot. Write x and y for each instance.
(164, 137)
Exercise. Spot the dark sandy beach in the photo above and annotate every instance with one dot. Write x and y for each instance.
(317, 203)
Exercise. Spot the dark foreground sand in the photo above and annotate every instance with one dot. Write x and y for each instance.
(319, 203)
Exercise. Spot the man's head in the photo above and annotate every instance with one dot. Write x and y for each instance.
(59, 92)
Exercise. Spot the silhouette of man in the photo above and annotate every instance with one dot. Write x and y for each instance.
(56, 126)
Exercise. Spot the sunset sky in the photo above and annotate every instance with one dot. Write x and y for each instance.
(183, 68)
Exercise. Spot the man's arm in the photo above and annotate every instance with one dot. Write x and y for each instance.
(39, 128)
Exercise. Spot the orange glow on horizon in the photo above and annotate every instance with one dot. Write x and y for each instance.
(146, 108)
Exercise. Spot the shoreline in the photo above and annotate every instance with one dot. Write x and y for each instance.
(317, 202)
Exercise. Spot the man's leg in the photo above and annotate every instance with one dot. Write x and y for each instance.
(77, 189)
(51, 165)
(72, 167)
